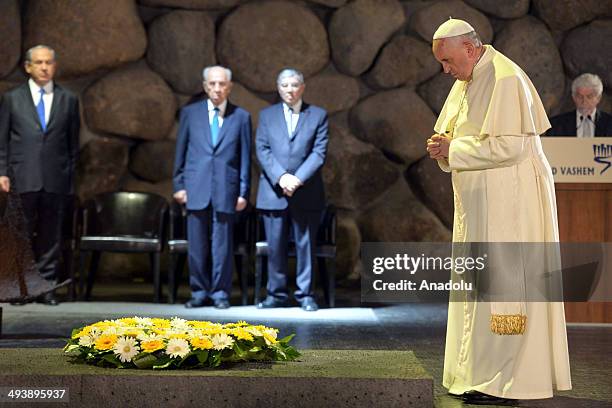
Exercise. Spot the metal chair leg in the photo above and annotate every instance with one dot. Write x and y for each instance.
(82, 269)
(93, 269)
(331, 279)
(154, 257)
(171, 278)
(244, 278)
(259, 260)
(69, 265)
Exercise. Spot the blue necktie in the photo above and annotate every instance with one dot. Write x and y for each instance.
(214, 128)
(40, 108)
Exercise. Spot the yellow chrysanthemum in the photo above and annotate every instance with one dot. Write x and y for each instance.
(163, 323)
(152, 345)
(269, 336)
(242, 334)
(84, 332)
(105, 323)
(202, 343)
(106, 341)
(177, 336)
(211, 331)
(128, 321)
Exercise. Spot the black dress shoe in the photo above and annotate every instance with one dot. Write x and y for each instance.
(309, 305)
(48, 299)
(222, 304)
(193, 303)
(272, 302)
(479, 398)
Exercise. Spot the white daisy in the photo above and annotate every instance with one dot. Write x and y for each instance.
(86, 341)
(110, 330)
(177, 348)
(95, 333)
(142, 336)
(126, 348)
(143, 321)
(222, 341)
(254, 331)
(179, 324)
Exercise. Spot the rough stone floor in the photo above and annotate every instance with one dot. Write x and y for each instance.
(417, 327)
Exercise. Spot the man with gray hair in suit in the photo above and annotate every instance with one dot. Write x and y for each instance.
(586, 120)
(291, 146)
(212, 178)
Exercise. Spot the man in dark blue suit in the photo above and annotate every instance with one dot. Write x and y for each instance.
(587, 120)
(212, 177)
(39, 144)
(291, 145)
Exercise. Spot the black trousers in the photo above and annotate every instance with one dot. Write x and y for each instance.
(44, 213)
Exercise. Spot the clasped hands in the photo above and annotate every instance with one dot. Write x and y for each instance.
(289, 183)
(437, 146)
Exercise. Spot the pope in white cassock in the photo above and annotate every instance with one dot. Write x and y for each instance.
(487, 136)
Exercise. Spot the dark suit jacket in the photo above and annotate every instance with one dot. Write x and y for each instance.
(39, 161)
(302, 155)
(565, 124)
(217, 174)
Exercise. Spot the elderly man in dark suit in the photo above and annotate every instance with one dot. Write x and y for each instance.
(586, 120)
(291, 145)
(39, 142)
(212, 177)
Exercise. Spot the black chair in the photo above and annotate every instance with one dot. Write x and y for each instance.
(124, 222)
(325, 250)
(244, 231)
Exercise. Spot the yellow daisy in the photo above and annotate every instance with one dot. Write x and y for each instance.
(106, 342)
(152, 345)
(202, 343)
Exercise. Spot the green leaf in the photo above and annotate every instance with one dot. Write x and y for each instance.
(112, 359)
(71, 347)
(202, 356)
(146, 361)
(287, 339)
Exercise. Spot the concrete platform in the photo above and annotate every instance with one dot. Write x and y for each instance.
(322, 378)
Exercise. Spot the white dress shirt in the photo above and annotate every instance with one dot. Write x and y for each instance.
(47, 98)
(211, 112)
(292, 117)
(585, 124)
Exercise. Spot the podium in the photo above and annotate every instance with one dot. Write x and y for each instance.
(583, 181)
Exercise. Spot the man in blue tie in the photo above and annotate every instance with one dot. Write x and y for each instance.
(291, 146)
(212, 178)
(39, 144)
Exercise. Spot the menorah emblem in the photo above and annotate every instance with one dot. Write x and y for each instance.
(603, 154)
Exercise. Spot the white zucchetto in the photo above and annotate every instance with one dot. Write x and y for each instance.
(452, 28)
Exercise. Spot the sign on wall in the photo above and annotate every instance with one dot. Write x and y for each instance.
(578, 160)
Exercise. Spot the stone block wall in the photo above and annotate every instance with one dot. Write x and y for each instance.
(134, 64)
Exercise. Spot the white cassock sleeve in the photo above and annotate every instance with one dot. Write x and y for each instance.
(444, 166)
(477, 153)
